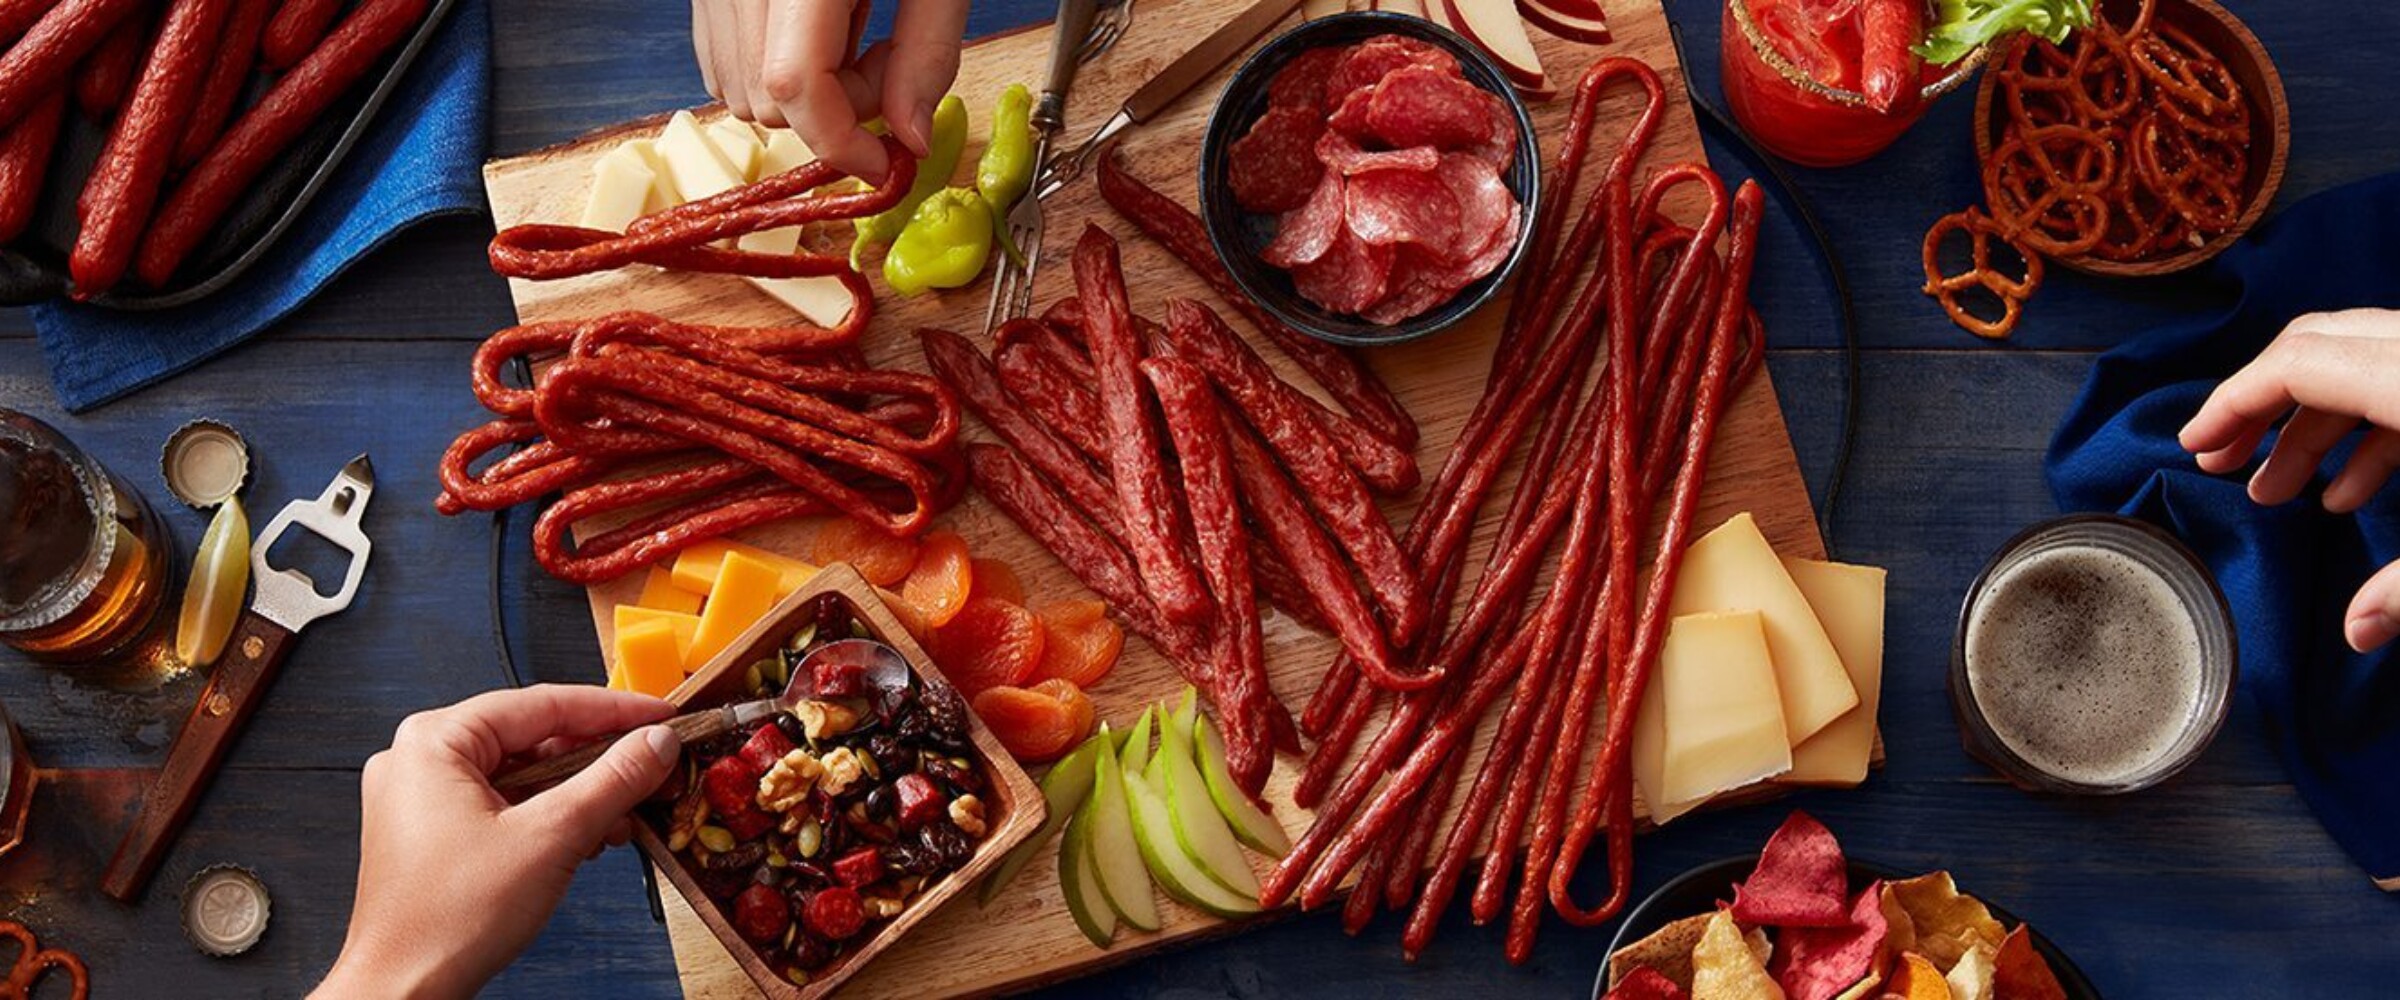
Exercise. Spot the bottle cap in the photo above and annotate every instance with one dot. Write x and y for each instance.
(225, 910)
(205, 463)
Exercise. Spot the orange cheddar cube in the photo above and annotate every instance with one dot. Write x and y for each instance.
(659, 592)
(686, 626)
(648, 658)
(746, 588)
(696, 568)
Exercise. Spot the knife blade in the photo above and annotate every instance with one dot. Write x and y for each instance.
(1214, 51)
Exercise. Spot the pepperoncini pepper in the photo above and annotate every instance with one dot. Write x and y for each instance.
(941, 160)
(945, 244)
(1007, 167)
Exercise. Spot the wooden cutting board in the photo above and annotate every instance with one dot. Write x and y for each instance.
(1026, 938)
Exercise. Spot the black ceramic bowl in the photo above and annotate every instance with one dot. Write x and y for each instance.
(1699, 890)
(1239, 236)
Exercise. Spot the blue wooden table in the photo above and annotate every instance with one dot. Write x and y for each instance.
(2219, 884)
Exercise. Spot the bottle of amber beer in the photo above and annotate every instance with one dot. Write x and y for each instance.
(83, 559)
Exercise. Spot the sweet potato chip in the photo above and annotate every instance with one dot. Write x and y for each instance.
(1725, 966)
(2021, 973)
(1947, 922)
(1971, 978)
(1818, 963)
(1667, 950)
(1917, 979)
(1645, 984)
(1801, 879)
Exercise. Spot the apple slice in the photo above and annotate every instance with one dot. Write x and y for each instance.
(1182, 877)
(1251, 825)
(1063, 791)
(1079, 881)
(1554, 17)
(1198, 828)
(1495, 25)
(1115, 853)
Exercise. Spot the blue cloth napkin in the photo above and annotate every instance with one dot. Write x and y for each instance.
(2288, 571)
(421, 158)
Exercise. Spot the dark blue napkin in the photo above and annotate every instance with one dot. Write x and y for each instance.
(2289, 571)
(422, 158)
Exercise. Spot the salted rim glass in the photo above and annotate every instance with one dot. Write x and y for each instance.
(2195, 589)
(1959, 73)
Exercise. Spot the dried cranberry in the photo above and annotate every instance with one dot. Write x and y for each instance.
(893, 702)
(920, 801)
(962, 780)
(740, 860)
(835, 913)
(761, 914)
(859, 867)
(912, 859)
(891, 757)
(766, 746)
(945, 712)
(730, 785)
(722, 884)
(949, 842)
(750, 823)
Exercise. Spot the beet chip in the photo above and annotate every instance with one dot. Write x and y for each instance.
(1646, 984)
(1817, 963)
(1801, 879)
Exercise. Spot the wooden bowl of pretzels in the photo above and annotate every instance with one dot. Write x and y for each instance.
(2144, 145)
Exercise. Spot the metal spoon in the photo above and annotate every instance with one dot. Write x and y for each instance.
(881, 667)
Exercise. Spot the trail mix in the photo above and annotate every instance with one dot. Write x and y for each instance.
(813, 830)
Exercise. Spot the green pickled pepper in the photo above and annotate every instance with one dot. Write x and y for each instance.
(1006, 169)
(949, 141)
(212, 601)
(945, 245)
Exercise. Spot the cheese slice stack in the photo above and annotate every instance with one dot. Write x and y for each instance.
(1849, 604)
(1710, 719)
(690, 161)
(1733, 568)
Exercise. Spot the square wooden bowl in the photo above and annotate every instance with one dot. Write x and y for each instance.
(1014, 806)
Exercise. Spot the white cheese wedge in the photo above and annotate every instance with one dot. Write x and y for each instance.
(783, 151)
(621, 186)
(698, 168)
(822, 301)
(1733, 568)
(740, 144)
(662, 187)
(1720, 717)
(1849, 604)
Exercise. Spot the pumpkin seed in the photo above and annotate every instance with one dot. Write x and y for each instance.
(810, 839)
(754, 678)
(797, 975)
(803, 638)
(716, 838)
(775, 859)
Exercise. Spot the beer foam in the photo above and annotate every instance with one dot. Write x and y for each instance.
(2085, 663)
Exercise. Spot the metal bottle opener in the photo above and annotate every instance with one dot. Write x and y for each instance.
(286, 601)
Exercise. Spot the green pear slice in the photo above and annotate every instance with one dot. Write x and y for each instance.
(1115, 853)
(1064, 788)
(1200, 831)
(1079, 881)
(1136, 748)
(1181, 876)
(1251, 825)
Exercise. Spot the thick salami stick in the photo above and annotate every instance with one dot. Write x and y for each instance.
(960, 366)
(1285, 524)
(227, 75)
(1034, 381)
(1341, 374)
(296, 28)
(25, 149)
(1349, 513)
(1198, 430)
(124, 183)
(1153, 519)
(1400, 884)
(18, 15)
(270, 127)
(103, 76)
(40, 61)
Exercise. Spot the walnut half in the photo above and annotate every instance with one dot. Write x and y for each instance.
(690, 812)
(967, 812)
(786, 785)
(842, 770)
(823, 720)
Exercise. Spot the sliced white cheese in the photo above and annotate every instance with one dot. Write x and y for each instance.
(1721, 719)
(662, 187)
(699, 169)
(621, 186)
(822, 300)
(783, 152)
(740, 144)
(1849, 604)
(1732, 568)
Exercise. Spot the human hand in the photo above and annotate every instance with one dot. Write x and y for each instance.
(796, 63)
(2323, 376)
(453, 880)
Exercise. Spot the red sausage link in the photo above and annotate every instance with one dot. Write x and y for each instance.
(103, 76)
(40, 60)
(1284, 522)
(227, 76)
(1342, 375)
(294, 103)
(296, 28)
(1153, 519)
(18, 15)
(25, 149)
(125, 181)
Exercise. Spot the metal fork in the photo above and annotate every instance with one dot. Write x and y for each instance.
(1093, 29)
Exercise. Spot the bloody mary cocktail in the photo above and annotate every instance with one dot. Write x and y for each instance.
(1827, 83)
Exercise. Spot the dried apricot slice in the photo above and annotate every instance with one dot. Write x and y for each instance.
(943, 576)
(1080, 643)
(995, 579)
(883, 559)
(988, 644)
(1034, 726)
(1079, 704)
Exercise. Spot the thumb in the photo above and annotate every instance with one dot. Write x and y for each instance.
(2374, 616)
(583, 808)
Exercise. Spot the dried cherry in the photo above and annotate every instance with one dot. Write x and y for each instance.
(962, 780)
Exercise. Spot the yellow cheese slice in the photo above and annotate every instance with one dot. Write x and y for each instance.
(659, 592)
(1849, 604)
(616, 679)
(648, 657)
(784, 151)
(740, 144)
(696, 568)
(685, 625)
(621, 187)
(746, 588)
(1720, 716)
(1733, 567)
(698, 167)
(662, 185)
